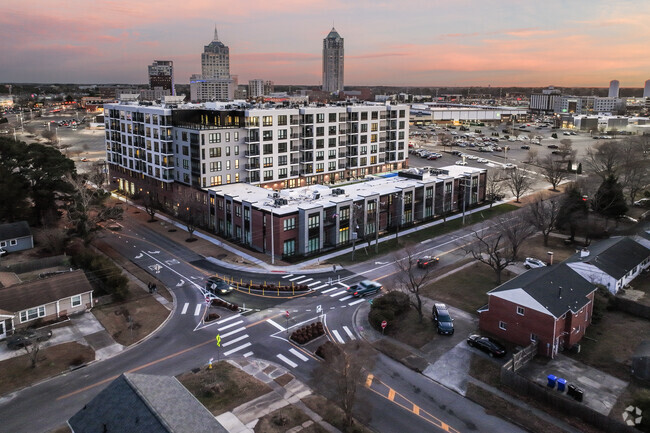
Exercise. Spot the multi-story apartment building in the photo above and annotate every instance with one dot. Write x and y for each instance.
(161, 74)
(166, 150)
(259, 87)
(333, 56)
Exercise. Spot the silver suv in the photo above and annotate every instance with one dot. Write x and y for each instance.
(530, 263)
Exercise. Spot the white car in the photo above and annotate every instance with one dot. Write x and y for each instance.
(509, 166)
(642, 202)
(482, 160)
(530, 263)
(460, 163)
(472, 157)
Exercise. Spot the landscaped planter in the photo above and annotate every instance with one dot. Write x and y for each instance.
(221, 303)
(211, 317)
(308, 333)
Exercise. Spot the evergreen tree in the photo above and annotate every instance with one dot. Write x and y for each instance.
(573, 211)
(609, 200)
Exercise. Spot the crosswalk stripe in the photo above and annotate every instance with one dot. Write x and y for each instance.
(187, 304)
(343, 284)
(228, 343)
(247, 354)
(338, 294)
(276, 325)
(338, 337)
(346, 298)
(304, 281)
(330, 290)
(288, 275)
(237, 349)
(358, 301)
(296, 278)
(287, 360)
(319, 287)
(299, 355)
(223, 328)
(313, 284)
(197, 310)
(228, 319)
(228, 334)
(350, 334)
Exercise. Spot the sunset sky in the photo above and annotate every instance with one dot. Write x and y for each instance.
(398, 42)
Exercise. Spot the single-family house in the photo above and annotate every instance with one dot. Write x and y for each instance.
(16, 237)
(552, 305)
(612, 263)
(46, 298)
(140, 403)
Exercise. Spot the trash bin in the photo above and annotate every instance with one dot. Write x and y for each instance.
(579, 393)
(551, 381)
(561, 384)
(571, 391)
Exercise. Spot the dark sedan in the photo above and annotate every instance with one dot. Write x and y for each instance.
(487, 345)
(26, 337)
(217, 286)
(426, 261)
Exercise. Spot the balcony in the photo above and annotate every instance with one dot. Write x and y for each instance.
(295, 160)
(294, 135)
(307, 147)
(251, 140)
(252, 152)
(252, 166)
(295, 172)
(294, 147)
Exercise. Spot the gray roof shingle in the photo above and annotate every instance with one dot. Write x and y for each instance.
(615, 256)
(557, 288)
(139, 403)
(15, 230)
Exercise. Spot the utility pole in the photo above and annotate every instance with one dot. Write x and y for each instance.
(353, 227)
(464, 185)
(272, 240)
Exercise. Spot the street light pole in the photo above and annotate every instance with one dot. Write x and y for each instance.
(377, 226)
(272, 240)
(464, 185)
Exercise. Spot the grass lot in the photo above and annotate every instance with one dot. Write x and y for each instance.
(421, 235)
(281, 420)
(146, 313)
(223, 388)
(534, 247)
(467, 288)
(331, 413)
(609, 344)
(408, 329)
(17, 372)
(485, 370)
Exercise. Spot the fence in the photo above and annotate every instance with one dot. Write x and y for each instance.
(521, 358)
(36, 264)
(561, 403)
(632, 307)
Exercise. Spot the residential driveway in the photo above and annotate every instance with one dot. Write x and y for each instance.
(600, 389)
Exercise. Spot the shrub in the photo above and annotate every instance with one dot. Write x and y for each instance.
(377, 315)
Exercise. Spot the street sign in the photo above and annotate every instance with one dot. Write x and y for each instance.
(207, 300)
(384, 324)
(287, 314)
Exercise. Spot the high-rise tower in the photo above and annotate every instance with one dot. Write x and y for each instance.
(333, 62)
(215, 59)
(215, 82)
(646, 89)
(613, 89)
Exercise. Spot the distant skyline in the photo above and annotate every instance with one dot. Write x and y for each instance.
(583, 43)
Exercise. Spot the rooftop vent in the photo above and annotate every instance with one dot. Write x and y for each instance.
(280, 202)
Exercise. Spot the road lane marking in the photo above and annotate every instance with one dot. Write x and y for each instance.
(228, 334)
(298, 354)
(237, 349)
(346, 298)
(330, 290)
(391, 394)
(296, 278)
(416, 409)
(319, 287)
(228, 343)
(287, 360)
(304, 281)
(338, 336)
(223, 328)
(197, 310)
(288, 275)
(247, 354)
(369, 380)
(347, 331)
(228, 319)
(276, 325)
(187, 304)
(313, 284)
(358, 301)
(343, 284)
(338, 294)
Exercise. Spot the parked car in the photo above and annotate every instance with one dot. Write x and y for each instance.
(509, 166)
(644, 202)
(426, 261)
(363, 288)
(525, 147)
(442, 319)
(553, 146)
(487, 344)
(531, 262)
(26, 337)
(217, 286)
(482, 160)
(461, 163)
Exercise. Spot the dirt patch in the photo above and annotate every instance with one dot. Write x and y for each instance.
(223, 388)
(18, 373)
(130, 321)
(281, 420)
(485, 370)
(408, 329)
(331, 413)
(284, 379)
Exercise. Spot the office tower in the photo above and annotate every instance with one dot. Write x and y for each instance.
(613, 89)
(215, 59)
(333, 62)
(161, 74)
(214, 83)
(646, 89)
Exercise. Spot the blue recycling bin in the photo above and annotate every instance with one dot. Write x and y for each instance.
(551, 380)
(561, 384)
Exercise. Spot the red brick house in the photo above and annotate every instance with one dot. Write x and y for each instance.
(552, 305)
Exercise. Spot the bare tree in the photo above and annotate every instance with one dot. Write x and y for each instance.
(344, 369)
(605, 158)
(531, 157)
(188, 216)
(445, 140)
(516, 231)
(566, 149)
(543, 214)
(86, 203)
(151, 206)
(554, 171)
(635, 173)
(32, 351)
(518, 183)
(412, 279)
(493, 186)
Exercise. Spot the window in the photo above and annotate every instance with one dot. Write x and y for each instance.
(32, 313)
(236, 136)
(521, 311)
(313, 221)
(268, 162)
(332, 117)
(282, 120)
(282, 160)
(289, 224)
(320, 118)
(75, 301)
(3, 244)
(267, 121)
(503, 325)
(313, 244)
(289, 247)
